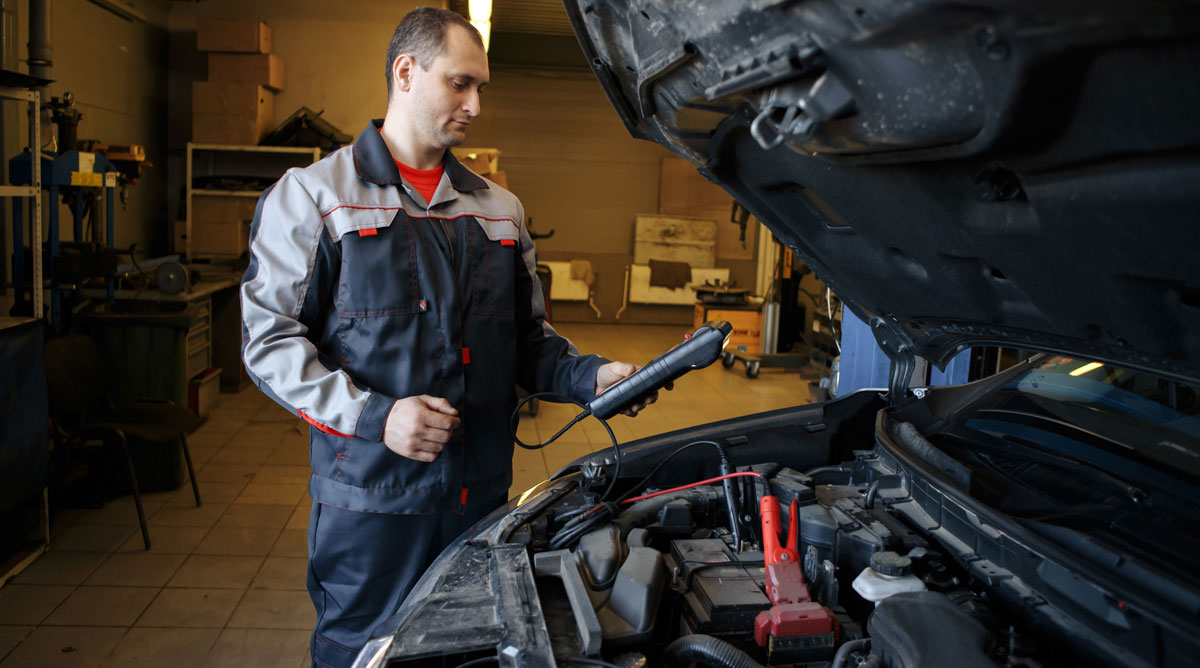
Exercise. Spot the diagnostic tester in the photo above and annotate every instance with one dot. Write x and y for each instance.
(698, 350)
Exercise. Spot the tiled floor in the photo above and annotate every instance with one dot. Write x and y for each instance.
(224, 583)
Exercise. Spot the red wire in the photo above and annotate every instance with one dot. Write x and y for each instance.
(719, 478)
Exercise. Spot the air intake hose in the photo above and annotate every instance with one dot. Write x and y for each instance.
(707, 651)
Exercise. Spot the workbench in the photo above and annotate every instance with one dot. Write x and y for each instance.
(213, 336)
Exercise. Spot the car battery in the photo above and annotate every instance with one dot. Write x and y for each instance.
(724, 592)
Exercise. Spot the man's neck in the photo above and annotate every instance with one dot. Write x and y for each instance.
(405, 146)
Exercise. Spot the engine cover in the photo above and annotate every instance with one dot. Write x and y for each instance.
(926, 629)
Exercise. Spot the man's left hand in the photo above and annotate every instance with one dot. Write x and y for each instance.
(612, 373)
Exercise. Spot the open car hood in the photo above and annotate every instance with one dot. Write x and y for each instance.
(1022, 174)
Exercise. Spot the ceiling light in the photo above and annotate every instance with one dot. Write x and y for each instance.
(481, 18)
(480, 10)
(485, 31)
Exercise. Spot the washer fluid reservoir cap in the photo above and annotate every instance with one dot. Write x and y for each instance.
(891, 564)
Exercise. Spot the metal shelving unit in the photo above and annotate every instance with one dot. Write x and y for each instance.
(233, 160)
(19, 194)
(32, 192)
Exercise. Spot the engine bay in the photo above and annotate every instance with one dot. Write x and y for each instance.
(778, 539)
(657, 581)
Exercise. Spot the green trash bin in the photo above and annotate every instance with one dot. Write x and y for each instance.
(146, 353)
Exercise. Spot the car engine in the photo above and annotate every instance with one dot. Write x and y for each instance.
(777, 540)
(673, 572)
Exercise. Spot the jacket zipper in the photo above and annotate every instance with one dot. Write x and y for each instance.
(450, 239)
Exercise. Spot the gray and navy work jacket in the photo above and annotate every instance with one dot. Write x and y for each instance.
(359, 293)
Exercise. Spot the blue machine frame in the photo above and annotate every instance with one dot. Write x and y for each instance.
(74, 170)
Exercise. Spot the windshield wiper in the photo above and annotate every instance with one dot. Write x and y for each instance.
(1135, 493)
(1033, 452)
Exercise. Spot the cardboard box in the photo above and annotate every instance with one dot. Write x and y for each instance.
(263, 69)
(482, 161)
(747, 325)
(228, 129)
(220, 238)
(204, 391)
(209, 209)
(233, 35)
(225, 97)
(231, 113)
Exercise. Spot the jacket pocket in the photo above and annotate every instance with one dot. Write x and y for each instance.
(379, 265)
(495, 253)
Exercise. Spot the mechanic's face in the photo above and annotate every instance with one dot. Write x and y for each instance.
(446, 96)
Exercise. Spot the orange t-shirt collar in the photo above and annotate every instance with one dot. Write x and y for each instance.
(424, 180)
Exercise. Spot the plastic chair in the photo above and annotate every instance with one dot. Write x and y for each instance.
(82, 412)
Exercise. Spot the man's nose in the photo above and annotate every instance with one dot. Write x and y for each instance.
(471, 104)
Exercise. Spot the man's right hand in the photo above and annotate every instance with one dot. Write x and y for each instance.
(419, 427)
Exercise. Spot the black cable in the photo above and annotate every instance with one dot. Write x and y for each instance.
(827, 469)
(480, 661)
(593, 662)
(872, 492)
(633, 490)
(563, 399)
(581, 524)
(136, 266)
(842, 658)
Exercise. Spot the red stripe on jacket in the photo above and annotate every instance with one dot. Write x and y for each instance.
(324, 428)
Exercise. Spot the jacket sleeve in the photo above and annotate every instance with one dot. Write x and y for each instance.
(288, 285)
(546, 361)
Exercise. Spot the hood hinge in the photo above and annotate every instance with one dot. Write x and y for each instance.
(899, 350)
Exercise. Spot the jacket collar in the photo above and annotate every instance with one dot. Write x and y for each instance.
(375, 164)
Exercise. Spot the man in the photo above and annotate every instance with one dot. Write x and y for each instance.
(391, 302)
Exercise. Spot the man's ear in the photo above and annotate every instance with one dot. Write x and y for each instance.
(403, 68)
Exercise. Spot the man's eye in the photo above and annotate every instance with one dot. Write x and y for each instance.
(458, 85)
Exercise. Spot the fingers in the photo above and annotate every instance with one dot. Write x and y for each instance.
(438, 404)
(438, 421)
(419, 427)
(421, 456)
(419, 450)
(633, 410)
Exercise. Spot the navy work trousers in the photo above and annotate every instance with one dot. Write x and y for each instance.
(362, 565)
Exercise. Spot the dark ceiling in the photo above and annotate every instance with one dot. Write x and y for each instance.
(531, 33)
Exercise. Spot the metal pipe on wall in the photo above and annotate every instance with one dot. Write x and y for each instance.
(41, 49)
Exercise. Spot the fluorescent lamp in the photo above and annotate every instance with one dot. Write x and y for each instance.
(485, 31)
(481, 18)
(1086, 368)
(480, 10)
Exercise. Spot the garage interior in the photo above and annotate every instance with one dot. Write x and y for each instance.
(161, 123)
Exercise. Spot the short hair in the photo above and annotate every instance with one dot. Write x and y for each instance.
(422, 34)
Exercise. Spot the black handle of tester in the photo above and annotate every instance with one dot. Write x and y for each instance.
(701, 349)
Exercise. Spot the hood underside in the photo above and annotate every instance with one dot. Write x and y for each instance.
(975, 173)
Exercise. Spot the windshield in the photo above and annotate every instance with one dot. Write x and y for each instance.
(1132, 413)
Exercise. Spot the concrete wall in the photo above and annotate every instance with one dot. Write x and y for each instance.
(117, 71)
